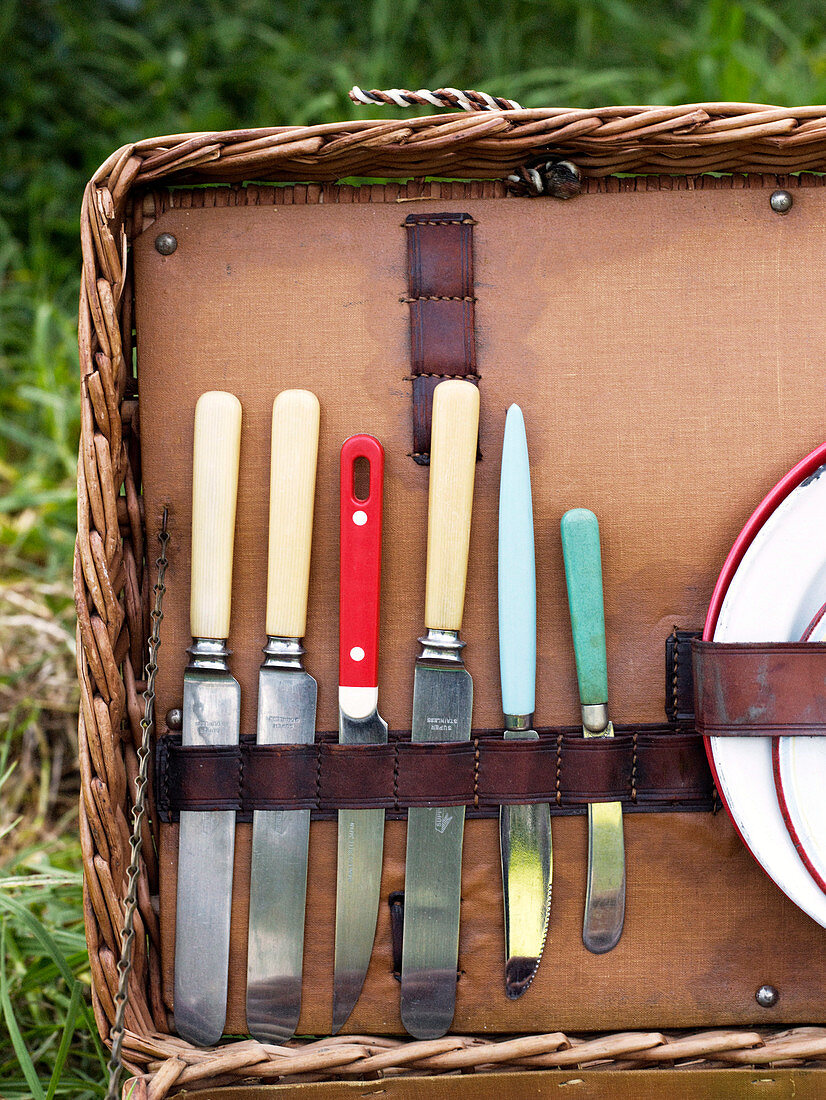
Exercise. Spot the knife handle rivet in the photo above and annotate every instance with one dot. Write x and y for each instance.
(359, 518)
(767, 996)
(356, 653)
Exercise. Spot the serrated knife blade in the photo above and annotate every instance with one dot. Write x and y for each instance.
(524, 831)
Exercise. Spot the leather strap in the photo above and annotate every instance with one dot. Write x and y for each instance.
(646, 770)
(748, 689)
(440, 296)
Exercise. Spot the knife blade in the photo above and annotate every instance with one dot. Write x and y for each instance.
(524, 831)
(211, 716)
(605, 894)
(286, 715)
(360, 832)
(442, 705)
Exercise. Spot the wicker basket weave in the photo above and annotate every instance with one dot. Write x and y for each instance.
(111, 575)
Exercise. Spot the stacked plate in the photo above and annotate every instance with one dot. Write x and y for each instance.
(773, 589)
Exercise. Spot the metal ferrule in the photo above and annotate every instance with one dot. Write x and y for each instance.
(518, 722)
(595, 717)
(208, 655)
(283, 652)
(442, 645)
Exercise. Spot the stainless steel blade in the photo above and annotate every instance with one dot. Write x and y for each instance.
(442, 706)
(527, 866)
(358, 880)
(280, 841)
(605, 892)
(211, 707)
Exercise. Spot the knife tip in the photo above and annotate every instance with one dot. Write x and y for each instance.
(520, 971)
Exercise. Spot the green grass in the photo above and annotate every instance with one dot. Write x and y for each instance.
(80, 78)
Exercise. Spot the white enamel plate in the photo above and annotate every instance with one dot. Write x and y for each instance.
(777, 588)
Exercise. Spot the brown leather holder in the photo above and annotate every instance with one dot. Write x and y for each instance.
(648, 770)
(442, 336)
(755, 689)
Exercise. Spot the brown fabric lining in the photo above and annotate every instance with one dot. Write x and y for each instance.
(577, 324)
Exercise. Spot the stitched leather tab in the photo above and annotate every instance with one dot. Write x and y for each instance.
(760, 689)
(442, 316)
(356, 777)
(206, 778)
(279, 777)
(436, 774)
(679, 675)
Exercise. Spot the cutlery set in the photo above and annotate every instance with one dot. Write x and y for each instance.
(442, 709)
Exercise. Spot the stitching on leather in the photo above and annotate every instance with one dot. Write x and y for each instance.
(440, 298)
(318, 774)
(433, 374)
(634, 769)
(558, 769)
(675, 665)
(476, 773)
(396, 776)
(241, 777)
(439, 221)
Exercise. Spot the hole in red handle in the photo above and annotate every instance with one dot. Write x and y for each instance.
(361, 478)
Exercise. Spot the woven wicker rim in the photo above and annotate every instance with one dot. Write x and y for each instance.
(111, 575)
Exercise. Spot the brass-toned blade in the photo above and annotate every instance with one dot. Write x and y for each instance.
(527, 863)
(605, 892)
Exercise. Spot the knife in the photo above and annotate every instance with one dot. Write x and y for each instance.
(442, 704)
(360, 832)
(605, 895)
(211, 717)
(524, 831)
(286, 716)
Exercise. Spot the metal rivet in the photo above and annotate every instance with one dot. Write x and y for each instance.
(767, 996)
(166, 244)
(781, 202)
(174, 718)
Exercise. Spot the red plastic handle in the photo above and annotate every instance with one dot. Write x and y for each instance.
(360, 558)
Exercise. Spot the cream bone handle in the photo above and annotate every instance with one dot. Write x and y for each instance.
(295, 420)
(452, 470)
(214, 494)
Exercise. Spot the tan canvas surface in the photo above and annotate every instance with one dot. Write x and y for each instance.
(666, 348)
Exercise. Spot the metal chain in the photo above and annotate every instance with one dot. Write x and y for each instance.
(127, 932)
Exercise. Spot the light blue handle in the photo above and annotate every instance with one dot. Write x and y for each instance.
(583, 574)
(517, 572)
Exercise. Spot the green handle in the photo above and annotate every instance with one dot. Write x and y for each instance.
(583, 575)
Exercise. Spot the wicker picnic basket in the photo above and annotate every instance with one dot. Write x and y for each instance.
(481, 155)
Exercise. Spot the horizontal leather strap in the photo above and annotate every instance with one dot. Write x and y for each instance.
(753, 689)
(649, 770)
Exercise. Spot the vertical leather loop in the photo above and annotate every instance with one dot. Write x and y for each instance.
(442, 316)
